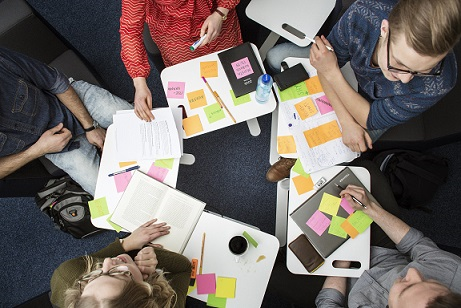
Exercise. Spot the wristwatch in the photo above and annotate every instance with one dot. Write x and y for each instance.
(89, 129)
(223, 16)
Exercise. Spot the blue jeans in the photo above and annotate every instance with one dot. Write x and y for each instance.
(82, 164)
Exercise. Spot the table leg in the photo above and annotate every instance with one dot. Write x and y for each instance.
(281, 211)
(253, 126)
(273, 155)
(187, 159)
(270, 41)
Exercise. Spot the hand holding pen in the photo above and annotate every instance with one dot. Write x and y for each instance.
(362, 194)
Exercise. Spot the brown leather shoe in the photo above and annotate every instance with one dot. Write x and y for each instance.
(280, 169)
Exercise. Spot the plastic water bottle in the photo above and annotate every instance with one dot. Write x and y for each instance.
(263, 89)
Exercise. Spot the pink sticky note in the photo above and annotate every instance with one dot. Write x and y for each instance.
(324, 104)
(122, 180)
(206, 283)
(157, 173)
(175, 89)
(242, 68)
(318, 222)
(346, 206)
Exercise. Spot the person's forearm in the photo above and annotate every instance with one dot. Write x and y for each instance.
(338, 283)
(11, 163)
(71, 100)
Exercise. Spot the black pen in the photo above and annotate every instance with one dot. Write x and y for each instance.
(353, 198)
(126, 170)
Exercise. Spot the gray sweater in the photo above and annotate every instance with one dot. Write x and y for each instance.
(386, 265)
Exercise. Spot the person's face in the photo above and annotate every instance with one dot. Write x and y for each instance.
(107, 286)
(396, 58)
(413, 291)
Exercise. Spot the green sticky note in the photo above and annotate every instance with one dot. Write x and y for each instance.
(360, 221)
(241, 99)
(329, 204)
(296, 91)
(335, 226)
(114, 225)
(225, 287)
(218, 302)
(164, 163)
(98, 207)
(214, 113)
(250, 239)
(298, 168)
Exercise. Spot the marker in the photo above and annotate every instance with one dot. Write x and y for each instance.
(197, 43)
(313, 41)
(353, 198)
(126, 170)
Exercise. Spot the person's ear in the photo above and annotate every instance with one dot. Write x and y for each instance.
(384, 30)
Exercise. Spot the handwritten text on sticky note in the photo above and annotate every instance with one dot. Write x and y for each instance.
(196, 99)
(242, 68)
(318, 222)
(175, 89)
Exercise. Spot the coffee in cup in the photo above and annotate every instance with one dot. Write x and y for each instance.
(238, 245)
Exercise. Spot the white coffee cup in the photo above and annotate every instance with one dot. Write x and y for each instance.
(238, 246)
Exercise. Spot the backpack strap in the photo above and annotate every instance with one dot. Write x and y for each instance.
(431, 177)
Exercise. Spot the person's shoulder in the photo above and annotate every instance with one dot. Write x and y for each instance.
(373, 7)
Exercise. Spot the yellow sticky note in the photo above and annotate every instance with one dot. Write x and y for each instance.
(296, 91)
(126, 163)
(192, 125)
(306, 108)
(98, 207)
(313, 85)
(360, 221)
(303, 184)
(164, 163)
(335, 227)
(241, 99)
(225, 287)
(329, 204)
(114, 225)
(286, 144)
(322, 134)
(196, 99)
(298, 168)
(214, 301)
(192, 288)
(214, 113)
(346, 225)
(209, 69)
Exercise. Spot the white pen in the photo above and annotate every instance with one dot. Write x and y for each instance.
(313, 41)
(197, 43)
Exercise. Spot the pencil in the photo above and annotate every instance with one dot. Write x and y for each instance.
(313, 41)
(218, 99)
(201, 254)
(353, 198)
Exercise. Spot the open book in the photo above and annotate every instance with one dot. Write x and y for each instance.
(146, 198)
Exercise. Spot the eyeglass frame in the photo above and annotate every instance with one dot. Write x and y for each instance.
(390, 68)
(113, 272)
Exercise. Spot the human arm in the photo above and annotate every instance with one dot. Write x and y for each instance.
(213, 24)
(333, 293)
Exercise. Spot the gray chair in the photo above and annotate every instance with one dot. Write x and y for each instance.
(22, 30)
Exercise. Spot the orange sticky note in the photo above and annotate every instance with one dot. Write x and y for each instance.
(192, 125)
(303, 184)
(346, 225)
(209, 69)
(196, 99)
(313, 85)
(126, 163)
(306, 108)
(322, 134)
(286, 144)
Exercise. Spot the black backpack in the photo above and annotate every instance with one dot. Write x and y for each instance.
(413, 176)
(66, 203)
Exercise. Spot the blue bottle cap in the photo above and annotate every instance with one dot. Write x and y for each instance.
(266, 78)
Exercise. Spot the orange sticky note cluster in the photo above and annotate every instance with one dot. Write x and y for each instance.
(286, 144)
(313, 85)
(196, 99)
(306, 108)
(303, 184)
(322, 134)
(209, 69)
(192, 125)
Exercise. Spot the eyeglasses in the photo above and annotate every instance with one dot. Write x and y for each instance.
(390, 68)
(113, 272)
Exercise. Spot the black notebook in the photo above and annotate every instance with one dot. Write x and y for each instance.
(325, 243)
(242, 68)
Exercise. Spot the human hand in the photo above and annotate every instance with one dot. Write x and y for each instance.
(146, 260)
(52, 140)
(145, 234)
(341, 264)
(97, 137)
(324, 60)
(359, 193)
(142, 100)
(212, 27)
(355, 137)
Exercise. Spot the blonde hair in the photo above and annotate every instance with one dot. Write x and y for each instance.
(430, 27)
(154, 292)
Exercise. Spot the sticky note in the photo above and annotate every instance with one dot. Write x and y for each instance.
(241, 99)
(313, 85)
(296, 91)
(346, 225)
(206, 283)
(113, 225)
(242, 68)
(214, 113)
(126, 163)
(217, 302)
(318, 222)
(209, 69)
(306, 108)
(158, 173)
(335, 227)
(329, 204)
(192, 288)
(175, 89)
(225, 287)
(196, 99)
(250, 239)
(286, 144)
(165, 163)
(322, 134)
(323, 104)
(98, 207)
(298, 168)
(303, 184)
(360, 221)
(122, 180)
(346, 206)
(192, 125)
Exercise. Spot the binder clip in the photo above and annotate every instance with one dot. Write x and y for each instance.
(320, 183)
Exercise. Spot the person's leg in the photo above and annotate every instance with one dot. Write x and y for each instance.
(279, 52)
(81, 164)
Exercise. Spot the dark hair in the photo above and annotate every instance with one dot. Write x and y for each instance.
(447, 300)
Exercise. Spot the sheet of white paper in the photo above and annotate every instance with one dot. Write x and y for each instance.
(137, 139)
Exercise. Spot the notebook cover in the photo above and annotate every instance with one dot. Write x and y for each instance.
(306, 253)
(327, 243)
(242, 68)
